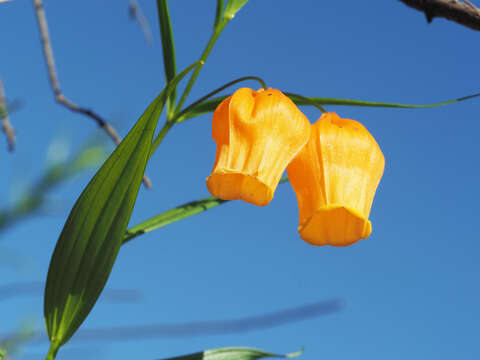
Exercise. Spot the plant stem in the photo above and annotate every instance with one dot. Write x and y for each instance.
(52, 352)
(161, 135)
(210, 94)
(216, 33)
(310, 101)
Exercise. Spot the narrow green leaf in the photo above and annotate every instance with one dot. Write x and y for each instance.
(89, 243)
(348, 102)
(211, 105)
(168, 49)
(219, 13)
(176, 214)
(233, 6)
(172, 215)
(234, 353)
(2, 354)
(93, 233)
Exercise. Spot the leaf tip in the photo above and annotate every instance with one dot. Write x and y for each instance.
(296, 353)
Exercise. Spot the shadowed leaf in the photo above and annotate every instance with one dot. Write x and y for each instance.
(93, 233)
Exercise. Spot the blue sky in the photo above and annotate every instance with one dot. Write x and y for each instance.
(410, 290)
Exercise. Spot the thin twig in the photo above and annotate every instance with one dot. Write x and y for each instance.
(6, 125)
(206, 328)
(59, 97)
(222, 327)
(137, 14)
(464, 13)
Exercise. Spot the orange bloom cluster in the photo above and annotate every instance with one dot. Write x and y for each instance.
(334, 165)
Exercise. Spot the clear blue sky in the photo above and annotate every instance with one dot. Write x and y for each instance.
(410, 290)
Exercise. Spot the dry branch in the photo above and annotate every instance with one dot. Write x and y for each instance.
(464, 13)
(136, 14)
(59, 97)
(7, 128)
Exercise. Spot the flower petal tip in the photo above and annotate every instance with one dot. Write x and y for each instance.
(232, 185)
(336, 226)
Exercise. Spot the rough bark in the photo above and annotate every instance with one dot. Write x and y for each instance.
(464, 13)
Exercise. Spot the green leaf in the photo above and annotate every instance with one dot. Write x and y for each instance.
(173, 215)
(234, 353)
(2, 354)
(168, 49)
(93, 233)
(233, 6)
(89, 243)
(176, 214)
(211, 105)
(348, 102)
(218, 13)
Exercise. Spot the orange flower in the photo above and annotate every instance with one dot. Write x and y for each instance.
(257, 134)
(335, 177)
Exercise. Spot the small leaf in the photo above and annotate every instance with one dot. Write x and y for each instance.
(233, 6)
(234, 353)
(168, 50)
(93, 233)
(176, 214)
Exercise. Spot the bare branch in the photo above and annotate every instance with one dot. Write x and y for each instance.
(222, 327)
(464, 13)
(59, 97)
(7, 128)
(137, 14)
(206, 328)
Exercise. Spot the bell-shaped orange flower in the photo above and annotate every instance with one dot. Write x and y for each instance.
(335, 177)
(257, 134)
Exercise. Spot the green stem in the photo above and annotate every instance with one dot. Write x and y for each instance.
(166, 92)
(52, 352)
(213, 39)
(216, 91)
(321, 108)
(161, 135)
